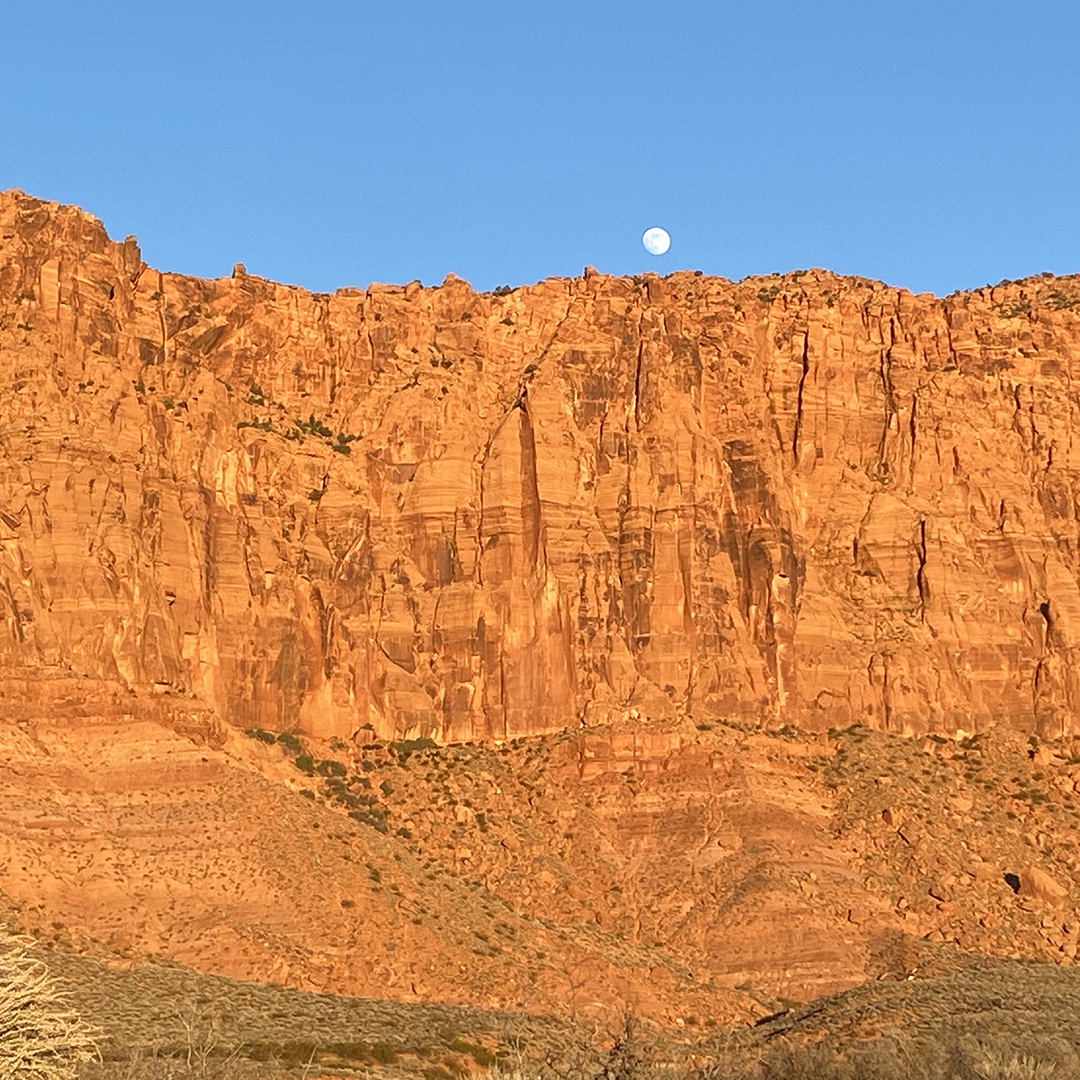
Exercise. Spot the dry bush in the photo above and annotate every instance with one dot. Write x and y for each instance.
(41, 1037)
(140, 1066)
(202, 1053)
(991, 1065)
(628, 1053)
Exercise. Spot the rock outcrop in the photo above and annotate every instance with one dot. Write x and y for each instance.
(803, 500)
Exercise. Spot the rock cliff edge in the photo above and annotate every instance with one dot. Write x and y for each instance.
(805, 500)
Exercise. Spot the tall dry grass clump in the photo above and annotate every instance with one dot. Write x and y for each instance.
(41, 1037)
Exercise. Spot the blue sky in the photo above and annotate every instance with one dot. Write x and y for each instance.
(932, 145)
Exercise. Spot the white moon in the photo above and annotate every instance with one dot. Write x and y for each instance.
(656, 241)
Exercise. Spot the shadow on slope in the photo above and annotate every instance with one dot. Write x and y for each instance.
(990, 1020)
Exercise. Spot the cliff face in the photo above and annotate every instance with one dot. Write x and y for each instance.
(799, 500)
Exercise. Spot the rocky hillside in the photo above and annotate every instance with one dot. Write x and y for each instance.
(802, 500)
(691, 875)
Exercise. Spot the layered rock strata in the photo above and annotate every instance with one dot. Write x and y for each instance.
(804, 500)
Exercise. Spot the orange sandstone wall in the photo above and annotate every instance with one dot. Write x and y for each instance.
(804, 499)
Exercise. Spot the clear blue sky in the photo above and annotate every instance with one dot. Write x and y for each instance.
(933, 145)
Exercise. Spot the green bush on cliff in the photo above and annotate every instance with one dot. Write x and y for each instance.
(290, 742)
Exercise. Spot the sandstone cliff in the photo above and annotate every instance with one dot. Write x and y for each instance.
(803, 500)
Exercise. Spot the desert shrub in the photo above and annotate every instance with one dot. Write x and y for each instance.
(480, 1054)
(311, 426)
(406, 747)
(374, 817)
(991, 1065)
(41, 1038)
(290, 742)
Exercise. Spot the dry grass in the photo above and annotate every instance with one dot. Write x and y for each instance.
(984, 1020)
(990, 1020)
(167, 1022)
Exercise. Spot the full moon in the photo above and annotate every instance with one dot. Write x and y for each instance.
(656, 241)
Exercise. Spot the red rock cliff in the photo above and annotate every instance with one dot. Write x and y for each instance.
(802, 499)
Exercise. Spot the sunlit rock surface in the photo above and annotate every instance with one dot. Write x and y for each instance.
(803, 500)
